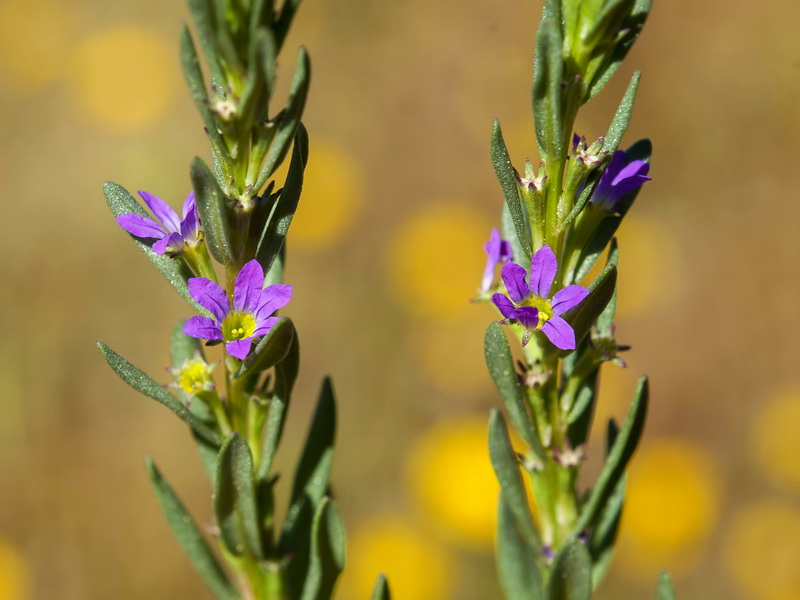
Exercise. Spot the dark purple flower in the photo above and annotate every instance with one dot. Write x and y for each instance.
(498, 252)
(530, 305)
(250, 317)
(619, 179)
(173, 233)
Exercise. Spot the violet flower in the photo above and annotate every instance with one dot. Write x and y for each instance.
(620, 178)
(498, 251)
(173, 234)
(531, 306)
(250, 317)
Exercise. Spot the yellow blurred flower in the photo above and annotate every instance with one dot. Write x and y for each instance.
(775, 439)
(436, 260)
(671, 507)
(332, 195)
(33, 38)
(124, 78)
(14, 577)
(761, 551)
(416, 566)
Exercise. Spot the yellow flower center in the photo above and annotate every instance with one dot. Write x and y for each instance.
(194, 376)
(237, 326)
(542, 305)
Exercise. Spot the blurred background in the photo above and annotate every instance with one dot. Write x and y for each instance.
(385, 252)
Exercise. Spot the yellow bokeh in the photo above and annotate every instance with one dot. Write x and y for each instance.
(124, 78)
(416, 566)
(332, 195)
(14, 577)
(671, 507)
(436, 260)
(775, 439)
(761, 551)
(33, 37)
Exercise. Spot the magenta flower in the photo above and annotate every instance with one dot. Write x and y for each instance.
(250, 317)
(620, 178)
(531, 306)
(498, 251)
(173, 235)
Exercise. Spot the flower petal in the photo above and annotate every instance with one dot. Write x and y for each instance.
(162, 211)
(210, 296)
(140, 226)
(247, 289)
(543, 271)
(567, 298)
(492, 247)
(172, 244)
(265, 326)
(271, 299)
(560, 333)
(528, 316)
(188, 204)
(203, 328)
(239, 348)
(190, 226)
(514, 278)
(504, 305)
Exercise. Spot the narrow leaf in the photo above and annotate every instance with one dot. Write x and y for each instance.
(189, 537)
(517, 566)
(270, 350)
(327, 552)
(571, 578)
(235, 499)
(665, 590)
(381, 589)
(508, 182)
(547, 80)
(210, 200)
(622, 117)
(606, 320)
(203, 21)
(604, 535)
(288, 10)
(583, 316)
(144, 384)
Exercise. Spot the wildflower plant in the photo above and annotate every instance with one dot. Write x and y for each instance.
(225, 255)
(558, 221)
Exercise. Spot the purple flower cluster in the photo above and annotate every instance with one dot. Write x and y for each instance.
(531, 306)
(498, 252)
(249, 317)
(173, 234)
(619, 179)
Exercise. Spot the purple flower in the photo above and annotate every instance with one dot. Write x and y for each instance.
(173, 234)
(619, 179)
(250, 316)
(498, 251)
(530, 305)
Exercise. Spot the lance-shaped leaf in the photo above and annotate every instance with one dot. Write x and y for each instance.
(288, 121)
(517, 567)
(501, 367)
(259, 79)
(381, 589)
(619, 124)
(509, 232)
(190, 537)
(665, 589)
(617, 459)
(144, 384)
(581, 413)
(277, 226)
(606, 320)
(203, 18)
(210, 201)
(583, 316)
(284, 21)
(571, 578)
(547, 83)
(270, 350)
(327, 552)
(313, 470)
(235, 499)
(508, 182)
(174, 270)
(506, 467)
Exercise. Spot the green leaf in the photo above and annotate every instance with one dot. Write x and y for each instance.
(508, 232)
(605, 533)
(381, 589)
(203, 21)
(174, 270)
(517, 566)
(313, 470)
(259, 79)
(235, 499)
(579, 421)
(665, 590)
(571, 578)
(144, 384)
(601, 290)
(506, 467)
(327, 552)
(284, 21)
(210, 200)
(619, 124)
(288, 121)
(270, 350)
(606, 319)
(183, 347)
(508, 182)
(274, 234)
(621, 452)
(547, 82)
(189, 537)
(501, 367)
